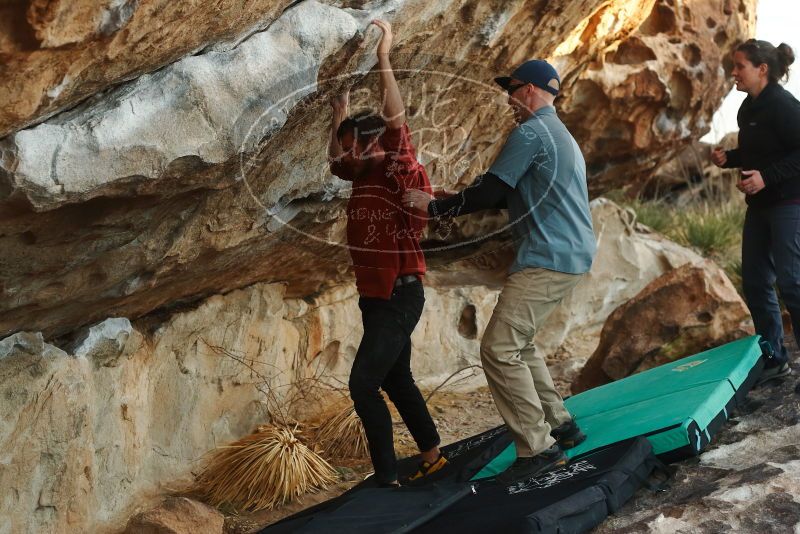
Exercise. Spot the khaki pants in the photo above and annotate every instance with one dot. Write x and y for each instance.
(518, 377)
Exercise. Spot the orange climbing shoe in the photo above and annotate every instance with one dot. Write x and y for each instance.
(426, 468)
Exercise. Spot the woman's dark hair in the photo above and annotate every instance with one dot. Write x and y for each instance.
(777, 58)
(365, 126)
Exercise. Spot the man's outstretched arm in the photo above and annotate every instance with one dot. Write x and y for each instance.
(487, 192)
(394, 112)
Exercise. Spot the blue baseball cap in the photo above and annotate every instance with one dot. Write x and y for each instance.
(536, 71)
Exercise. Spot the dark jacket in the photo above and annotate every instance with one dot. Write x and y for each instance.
(769, 141)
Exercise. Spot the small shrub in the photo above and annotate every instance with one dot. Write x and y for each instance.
(712, 224)
(265, 469)
(656, 215)
(709, 229)
(343, 436)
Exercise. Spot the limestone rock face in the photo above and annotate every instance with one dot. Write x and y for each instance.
(91, 434)
(193, 159)
(56, 52)
(46, 445)
(177, 515)
(683, 312)
(125, 411)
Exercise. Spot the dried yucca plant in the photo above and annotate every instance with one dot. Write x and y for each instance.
(342, 436)
(265, 469)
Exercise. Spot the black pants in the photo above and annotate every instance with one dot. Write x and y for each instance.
(383, 361)
(771, 256)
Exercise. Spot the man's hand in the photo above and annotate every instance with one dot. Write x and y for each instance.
(752, 184)
(386, 40)
(341, 102)
(417, 200)
(719, 157)
(443, 193)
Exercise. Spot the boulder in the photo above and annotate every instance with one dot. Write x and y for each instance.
(177, 515)
(57, 53)
(90, 434)
(650, 89)
(683, 312)
(46, 437)
(629, 256)
(186, 157)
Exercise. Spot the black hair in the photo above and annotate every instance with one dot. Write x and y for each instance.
(777, 59)
(365, 127)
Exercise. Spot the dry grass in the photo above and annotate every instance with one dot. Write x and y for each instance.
(342, 436)
(711, 229)
(265, 469)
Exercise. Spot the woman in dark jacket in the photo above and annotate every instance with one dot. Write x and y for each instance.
(769, 156)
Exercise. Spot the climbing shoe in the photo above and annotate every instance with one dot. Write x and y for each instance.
(774, 372)
(427, 468)
(528, 467)
(568, 435)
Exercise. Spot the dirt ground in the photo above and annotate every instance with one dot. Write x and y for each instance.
(457, 415)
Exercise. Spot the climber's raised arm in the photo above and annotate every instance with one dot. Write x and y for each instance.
(394, 112)
(339, 104)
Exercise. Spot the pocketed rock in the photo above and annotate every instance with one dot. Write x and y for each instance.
(683, 312)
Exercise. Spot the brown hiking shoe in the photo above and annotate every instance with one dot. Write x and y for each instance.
(568, 435)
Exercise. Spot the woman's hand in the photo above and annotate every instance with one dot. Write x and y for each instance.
(752, 184)
(719, 157)
(386, 40)
(416, 199)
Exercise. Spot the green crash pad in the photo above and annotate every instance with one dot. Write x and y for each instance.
(677, 406)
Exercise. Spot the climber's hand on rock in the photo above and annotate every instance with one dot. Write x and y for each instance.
(385, 43)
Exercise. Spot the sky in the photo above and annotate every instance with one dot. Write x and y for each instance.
(777, 21)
